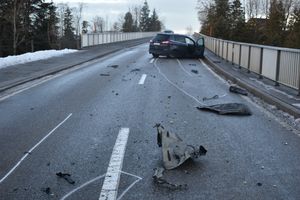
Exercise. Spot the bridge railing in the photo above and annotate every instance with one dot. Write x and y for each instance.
(92, 39)
(281, 65)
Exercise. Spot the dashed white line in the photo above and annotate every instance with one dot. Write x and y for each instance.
(111, 182)
(152, 60)
(188, 73)
(142, 80)
(35, 146)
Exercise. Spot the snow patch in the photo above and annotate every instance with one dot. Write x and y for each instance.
(29, 57)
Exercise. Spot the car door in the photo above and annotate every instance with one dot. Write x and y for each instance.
(191, 47)
(200, 48)
(179, 46)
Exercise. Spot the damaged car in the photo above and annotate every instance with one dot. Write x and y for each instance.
(176, 45)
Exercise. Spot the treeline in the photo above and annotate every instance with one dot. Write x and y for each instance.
(32, 25)
(267, 22)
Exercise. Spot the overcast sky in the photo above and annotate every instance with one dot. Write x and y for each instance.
(177, 15)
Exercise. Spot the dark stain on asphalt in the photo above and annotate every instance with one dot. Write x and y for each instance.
(104, 74)
(259, 184)
(31, 108)
(47, 190)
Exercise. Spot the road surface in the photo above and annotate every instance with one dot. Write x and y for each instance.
(99, 119)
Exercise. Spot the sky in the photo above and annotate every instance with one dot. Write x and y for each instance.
(177, 15)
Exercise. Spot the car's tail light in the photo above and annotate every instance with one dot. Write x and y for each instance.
(166, 42)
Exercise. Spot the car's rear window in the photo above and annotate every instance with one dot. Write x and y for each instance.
(161, 37)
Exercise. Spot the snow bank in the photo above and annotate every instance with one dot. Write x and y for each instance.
(29, 57)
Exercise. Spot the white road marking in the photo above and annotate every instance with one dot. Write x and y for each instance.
(188, 73)
(111, 182)
(152, 60)
(100, 177)
(82, 186)
(181, 90)
(142, 80)
(35, 146)
(131, 185)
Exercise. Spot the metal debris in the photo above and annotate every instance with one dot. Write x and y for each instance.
(192, 64)
(194, 71)
(47, 191)
(228, 109)
(259, 184)
(113, 66)
(135, 70)
(104, 74)
(158, 179)
(238, 90)
(210, 98)
(216, 61)
(66, 176)
(175, 151)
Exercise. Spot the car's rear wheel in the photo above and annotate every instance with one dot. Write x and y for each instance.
(155, 55)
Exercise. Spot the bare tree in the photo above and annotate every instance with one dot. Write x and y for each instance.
(18, 38)
(77, 13)
(99, 24)
(61, 9)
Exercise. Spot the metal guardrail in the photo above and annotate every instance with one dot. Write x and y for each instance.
(281, 65)
(92, 39)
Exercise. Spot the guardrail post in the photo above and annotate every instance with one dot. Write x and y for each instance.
(249, 59)
(240, 57)
(227, 52)
(261, 62)
(277, 68)
(232, 58)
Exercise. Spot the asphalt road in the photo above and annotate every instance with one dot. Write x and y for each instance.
(71, 123)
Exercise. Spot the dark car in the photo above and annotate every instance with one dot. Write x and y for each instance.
(175, 45)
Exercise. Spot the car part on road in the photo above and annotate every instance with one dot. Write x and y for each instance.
(47, 191)
(135, 70)
(210, 98)
(113, 66)
(175, 151)
(66, 176)
(238, 90)
(228, 109)
(104, 74)
(158, 179)
(194, 71)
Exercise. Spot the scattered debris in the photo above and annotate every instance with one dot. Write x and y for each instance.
(47, 191)
(262, 167)
(158, 179)
(286, 143)
(192, 64)
(238, 90)
(175, 151)
(228, 109)
(113, 66)
(16, 189)
(104, 74)
(135, 70)
(216, 61)
(245, 182)
(31, 108)
(48, 164)
(169, 97)
(66, 176)
(210, 98)
(259, 184)
(117, 94)
(194, 71)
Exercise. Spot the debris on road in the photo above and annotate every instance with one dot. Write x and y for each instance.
(169, 97)
(104, 74)
(175, 151)
(216, 61)
(259, 184)
(238, 90)
(192, 64)
(113, 66)
(158, 179)
(228, 109)
(210, 98)
(135, 70)
(47, 191)
(194, 71)
(66, 176)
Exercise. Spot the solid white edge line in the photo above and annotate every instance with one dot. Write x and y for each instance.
(35, 146)
(142, 80)
(180, 64)
(110, 186)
